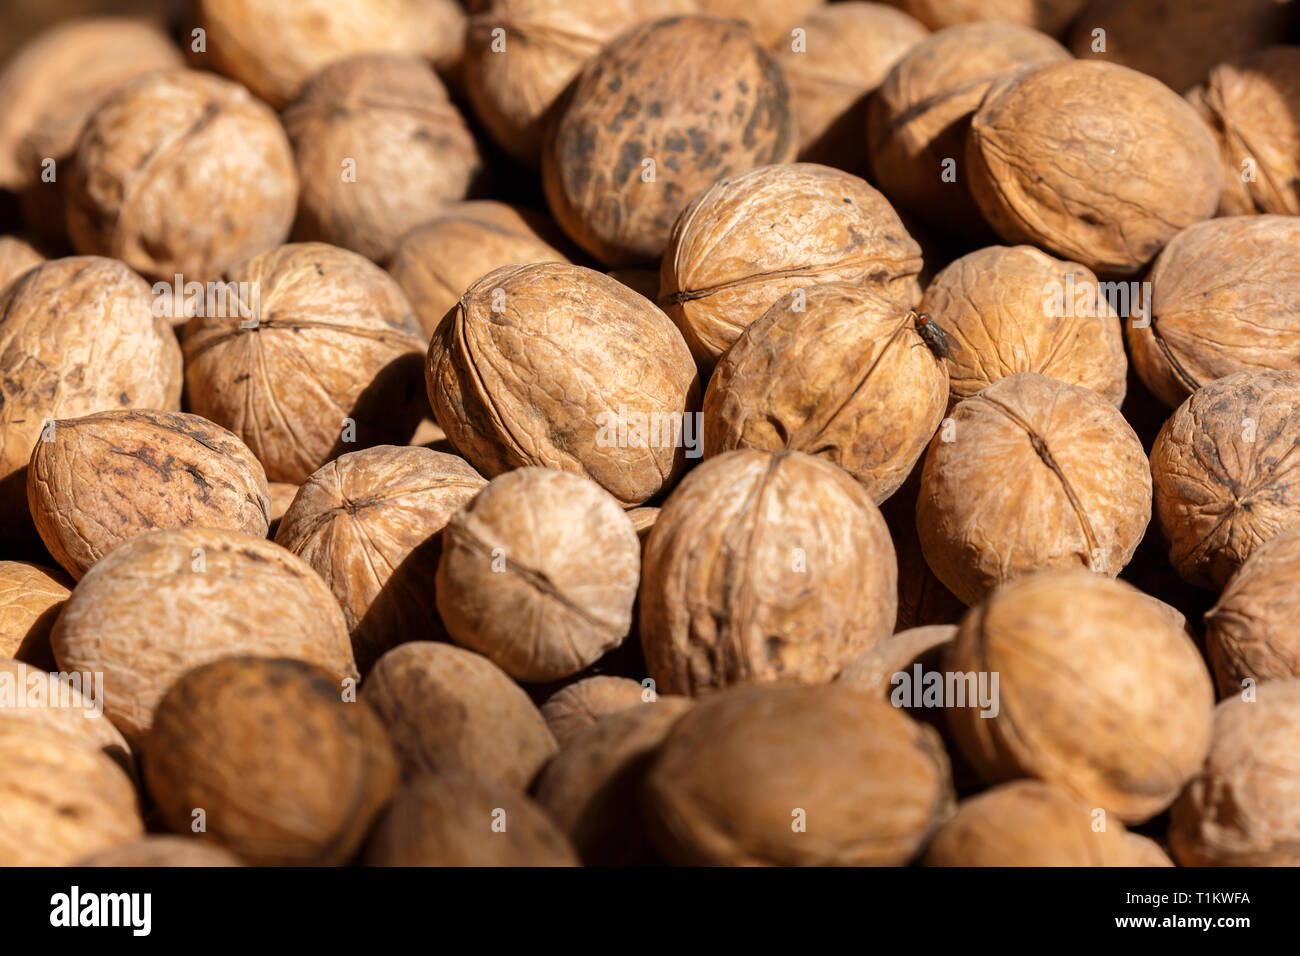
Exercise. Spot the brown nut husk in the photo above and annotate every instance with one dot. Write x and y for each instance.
(574, 708)
(16, 257)
(163, 850)
(370, 523)
(181, 173)
(1031, 473)
(918, 118)
(60, 798)
(379, 148)
(324, 353)
(673, 131)
(1029, 823)
(838, 372)
(31, 598)
(874, 669)
(764, 567)
(1223, 474)
(767, 19)
(1008, 310)
(539, 573)
(810, 776)
(1241, 808)
(1094, 162)
(1248, 102)
(1251, 633)
(1050, 16)
(284, 770)
(1224, 298)
(1098, 692)
(448, 708)
(555, 365)
(454, 819)
(95, 481)
(160, 604)
(69, 703)
(593, 787)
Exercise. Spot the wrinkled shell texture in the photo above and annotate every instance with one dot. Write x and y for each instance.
(181, 172)
(727, 782)
(1028, 823)
(747, 242)
(918, 118)
(768, 19)
(874, 668)
(161, 604)
(1243, 808)
(572, 709)
(1034, 473)
(539, 573)
(1008, 310)
(764, 567)
(104, 478)
(1227, 473)
(728, 112)
(286, 772)
(922, 597)
(409, 150)
(370, 523)
(1112, 702)
(60, 706)
(336, 344)
(1050, 16)
(1225, 297)
(163, 851)
(16, 257)
(31, 598)
(453, 819)
(555, 365)
(1249, 103)
(838, 372)
(1095, 162)
(449, 708)
(1251, 632)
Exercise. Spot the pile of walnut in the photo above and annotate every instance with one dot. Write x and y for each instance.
(543, 432)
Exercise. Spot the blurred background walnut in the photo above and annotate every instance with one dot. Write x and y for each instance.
(31, 598)
(577, 706)
(1050, 16)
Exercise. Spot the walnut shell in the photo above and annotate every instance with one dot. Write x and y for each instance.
(574, 708)
(95, 481)
(72, 706)
(555, 365)
(370, 523)
(1028, 823)
(1098, 692)
(643, 519)
(449, 708)
(453, 819)
(59, 798)
(388, 120)
(285, 771)
(1224, 298)
(1251, 632)
(1050, 16)
(918, 118)
(163, 850)
(282, 495)
(1241, 808)
(16, 257)
(764, 567)
(634, 103)
(874, 668)
(1095, 162)
(1008, 310)
(1031, 473)
(31, 598)
(723, 268)
(181, 173)
(810, 776)
(159, 604)
(331, 358)
(838, 372)
(922, 597)
(768, 19)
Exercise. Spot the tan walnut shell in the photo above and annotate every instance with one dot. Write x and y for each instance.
(576, 707)
(16, 257)
(331, 360)
(160, 604)
(874, 668)
(448, 708)
(181, 173)
(767, 19)
(555, 365)
(1243, 807)
(1049, 16)
(838, 372)
(1099, 692)
(1225, 297)
(1031, 473)
(163, 850)
(922, 598)
(743, 767)
(640, 136)
(749, 240)
(1008, 310)
(31, 598)
(370, 523)
(66, 703)
(539, 573)
(764, 567)
(286, 772)
(388, 120)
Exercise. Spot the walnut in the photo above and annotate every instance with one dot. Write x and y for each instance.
(874, 668)
(69, 704)
(282, 495)
(922, 598)
(1050, 16)
(16, 257)
(163, 850)
(31, 598)
(577, 706)
(766, 18)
